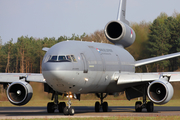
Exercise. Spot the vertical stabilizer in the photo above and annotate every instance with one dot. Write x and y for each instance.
(122, 12)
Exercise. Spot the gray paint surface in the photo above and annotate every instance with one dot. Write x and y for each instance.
(101, 60)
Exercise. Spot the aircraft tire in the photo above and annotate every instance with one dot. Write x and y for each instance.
(66, 111)
(61, 106)
(71, 111)
(138, 107)
(64, 104)
(150, 107)
(105, 106)
(50, 107)
(97, 106)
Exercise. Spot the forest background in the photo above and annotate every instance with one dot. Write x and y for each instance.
(152, 39)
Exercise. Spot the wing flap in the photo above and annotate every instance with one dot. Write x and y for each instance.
(137, 77)
(128, 78)
(173, 76)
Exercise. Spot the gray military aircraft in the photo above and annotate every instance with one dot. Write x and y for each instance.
(72, 68)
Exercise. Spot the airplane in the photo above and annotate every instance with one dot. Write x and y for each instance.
(72, 68)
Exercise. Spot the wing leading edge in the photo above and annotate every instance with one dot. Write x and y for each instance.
(29, 77)
(155, 59)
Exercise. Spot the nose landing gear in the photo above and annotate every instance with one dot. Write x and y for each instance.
(68, 110)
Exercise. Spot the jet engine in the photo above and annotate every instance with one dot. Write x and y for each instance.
(19, 93)
(160, 91)
(119, 33)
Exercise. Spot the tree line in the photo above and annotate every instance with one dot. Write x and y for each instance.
(162, 37)
(152, 39)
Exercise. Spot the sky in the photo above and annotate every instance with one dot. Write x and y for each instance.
(55, 18)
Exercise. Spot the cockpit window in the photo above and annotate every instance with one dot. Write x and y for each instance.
(74, 59)
(68, 57)
(54, 58)
(62, 58)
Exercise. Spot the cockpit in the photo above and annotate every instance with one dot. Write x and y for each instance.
(62, 58)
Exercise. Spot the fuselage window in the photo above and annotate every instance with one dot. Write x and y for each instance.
(73, 58)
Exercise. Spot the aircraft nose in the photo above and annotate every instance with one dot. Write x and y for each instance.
(56, 66)
(57, 70)
(60, 76)
(50, 67)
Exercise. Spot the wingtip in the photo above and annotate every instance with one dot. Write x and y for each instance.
(45, 49)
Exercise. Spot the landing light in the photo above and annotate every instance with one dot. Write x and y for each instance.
(86, 79)
(70, 96)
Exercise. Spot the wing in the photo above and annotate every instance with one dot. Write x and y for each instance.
(155, 59)
(29, 77)
(45, 49)
(130, 78)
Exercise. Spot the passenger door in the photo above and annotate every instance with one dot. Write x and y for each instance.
(84, 63)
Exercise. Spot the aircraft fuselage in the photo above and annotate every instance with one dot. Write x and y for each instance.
(89, 68)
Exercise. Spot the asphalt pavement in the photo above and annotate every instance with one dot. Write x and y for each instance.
(84, 111)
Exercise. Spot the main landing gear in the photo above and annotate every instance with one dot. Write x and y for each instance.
(103, 105)
(52, 106)
(148, 105)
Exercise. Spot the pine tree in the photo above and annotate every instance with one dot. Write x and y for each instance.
(158, 42)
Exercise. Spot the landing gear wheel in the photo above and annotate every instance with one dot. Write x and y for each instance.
(66, 111)
(71, 111)
(64, 104)
(97, 107)
(105, 106)
(138, 107)
(150, 107)
(50, 107)
(61, 106)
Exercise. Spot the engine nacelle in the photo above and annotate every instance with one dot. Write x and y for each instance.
(119, 33)
(160, 91)
(19, 93)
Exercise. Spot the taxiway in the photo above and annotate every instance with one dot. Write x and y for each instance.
(82, 111)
